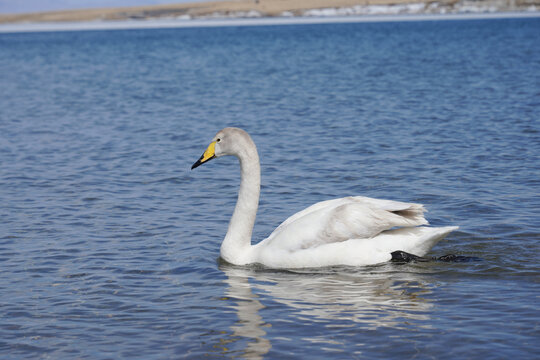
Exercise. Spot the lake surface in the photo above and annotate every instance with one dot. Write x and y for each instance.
(109, 244)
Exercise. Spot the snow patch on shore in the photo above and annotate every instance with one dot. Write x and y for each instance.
(233, 15)
(413, 8)
(463, 7)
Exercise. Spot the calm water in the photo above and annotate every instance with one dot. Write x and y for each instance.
(109, 243)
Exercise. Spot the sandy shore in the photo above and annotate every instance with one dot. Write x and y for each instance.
(276, 8)
(266, 21)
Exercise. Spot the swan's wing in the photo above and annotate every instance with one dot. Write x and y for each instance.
(343, 219)
(412, 211)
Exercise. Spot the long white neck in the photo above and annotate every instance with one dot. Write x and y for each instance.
(236, 247)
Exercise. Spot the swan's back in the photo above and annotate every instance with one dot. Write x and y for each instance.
(345, 218)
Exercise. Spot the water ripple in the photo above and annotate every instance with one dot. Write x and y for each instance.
(109, 243)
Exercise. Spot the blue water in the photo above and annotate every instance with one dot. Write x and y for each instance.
(109, 244)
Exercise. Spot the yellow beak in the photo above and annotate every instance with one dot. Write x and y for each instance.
(208, 154)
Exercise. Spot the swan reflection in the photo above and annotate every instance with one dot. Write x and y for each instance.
(250, 324)
(379, 296)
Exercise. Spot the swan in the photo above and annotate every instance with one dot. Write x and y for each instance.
(351, 231)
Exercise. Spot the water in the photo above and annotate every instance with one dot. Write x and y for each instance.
(109, 243)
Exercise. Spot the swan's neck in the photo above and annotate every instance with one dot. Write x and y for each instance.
(236, 247)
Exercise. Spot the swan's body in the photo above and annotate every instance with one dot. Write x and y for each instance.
(348, 231)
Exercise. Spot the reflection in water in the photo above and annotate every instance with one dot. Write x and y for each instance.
(380, 296)
(250, 324)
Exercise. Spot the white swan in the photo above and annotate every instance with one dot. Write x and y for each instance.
(348, 231)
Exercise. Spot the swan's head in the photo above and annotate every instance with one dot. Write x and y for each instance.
(229, 141)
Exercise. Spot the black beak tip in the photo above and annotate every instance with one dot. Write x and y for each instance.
(201, 161)
(196, 164)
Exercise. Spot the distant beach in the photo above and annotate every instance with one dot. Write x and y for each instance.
(267, 21)
(253, 12)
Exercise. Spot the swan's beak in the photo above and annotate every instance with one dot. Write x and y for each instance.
(208, 155)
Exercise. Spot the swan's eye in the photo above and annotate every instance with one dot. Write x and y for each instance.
(218, 140)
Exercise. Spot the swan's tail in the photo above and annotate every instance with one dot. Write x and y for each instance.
(430, 237)
(417, 241)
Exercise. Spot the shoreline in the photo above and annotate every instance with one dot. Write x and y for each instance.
(259, 21)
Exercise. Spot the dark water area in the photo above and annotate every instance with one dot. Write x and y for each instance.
(109, 244)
